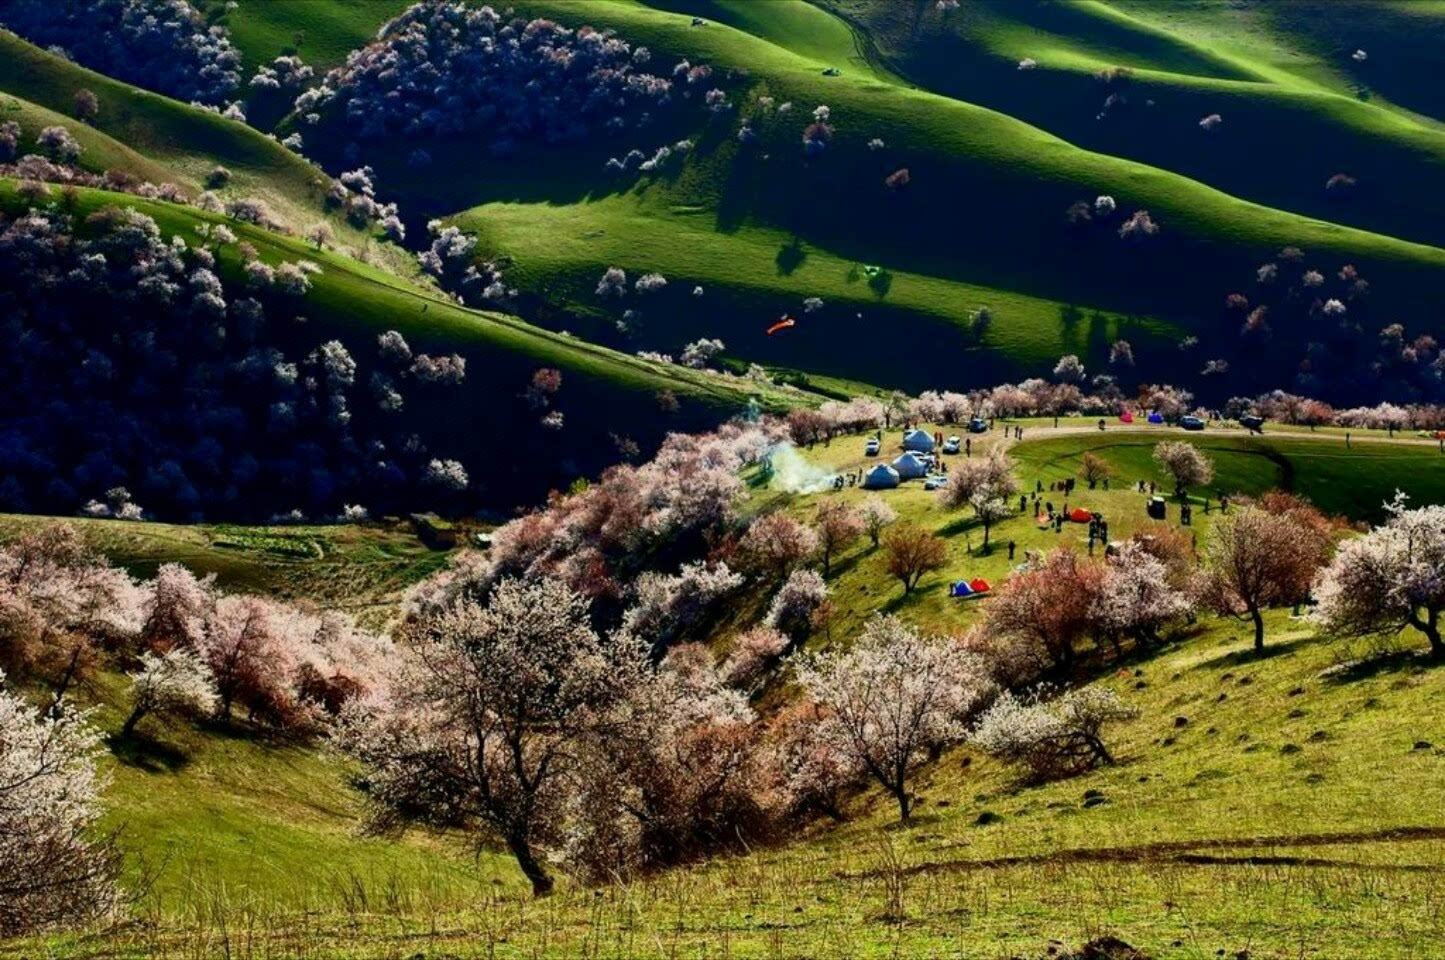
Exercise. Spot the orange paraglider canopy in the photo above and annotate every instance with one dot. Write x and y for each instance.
(782, 324)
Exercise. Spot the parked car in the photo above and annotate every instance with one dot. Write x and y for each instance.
(1191, 423)
(977, 425)
(933, 483)
(1252, 423)
(872, 448)
(952, 445)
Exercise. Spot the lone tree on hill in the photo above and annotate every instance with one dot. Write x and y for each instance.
(484, 731)
(912, 551)
(1185, 464)
(1256, 558)
(876, 516)
(839, 526)
(1391, 578)
(894, 697)
(1093, 469)
(987, 485)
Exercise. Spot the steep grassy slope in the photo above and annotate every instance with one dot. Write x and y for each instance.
(1304, 795)
(322, 34)
(1004, 229)
(486, 422)
(984, 209)
(921, 329)
(160, 139)
(1282, 138)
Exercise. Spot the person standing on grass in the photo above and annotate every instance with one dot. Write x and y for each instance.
(1011, 546)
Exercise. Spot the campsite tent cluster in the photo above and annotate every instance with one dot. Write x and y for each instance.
(911, 465)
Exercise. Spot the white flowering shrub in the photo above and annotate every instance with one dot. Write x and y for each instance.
(1051, 737)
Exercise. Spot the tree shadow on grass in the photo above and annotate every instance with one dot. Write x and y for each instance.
(1379, 664)
(790, 257)
(145, 752)
(880, 283)
(1247, 656)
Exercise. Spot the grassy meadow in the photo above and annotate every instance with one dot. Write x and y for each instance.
(1303, 789)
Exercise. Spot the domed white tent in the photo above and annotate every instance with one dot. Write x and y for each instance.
(910, 466)
(881, 477)
(919, 440)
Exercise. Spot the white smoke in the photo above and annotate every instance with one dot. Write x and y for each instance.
(793, 473)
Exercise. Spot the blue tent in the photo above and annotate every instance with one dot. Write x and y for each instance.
(1156, 418)
(910, 467)
(960, 588)
(881, 477)
(919, 440)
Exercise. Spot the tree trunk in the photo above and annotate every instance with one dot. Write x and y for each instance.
(135, 717)
(531, 867)
(905, 804)
(1258, 619)
(1431, 629)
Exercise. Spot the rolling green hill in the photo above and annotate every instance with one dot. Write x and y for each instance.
(995, 157)
(984, 206)
(1282, 137)
(162, 140)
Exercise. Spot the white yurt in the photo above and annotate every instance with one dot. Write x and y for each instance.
(910, 466)
(881, 477)
(919, 440)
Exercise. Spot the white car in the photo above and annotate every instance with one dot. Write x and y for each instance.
(952, 444)
(933, 483)
(872, 448)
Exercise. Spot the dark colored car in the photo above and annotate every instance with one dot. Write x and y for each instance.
(1191, 423)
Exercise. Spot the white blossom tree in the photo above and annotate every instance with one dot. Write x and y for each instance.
(482, 731)
(52, 871)
(1135, 596)
(1052, 737)
(1184, 464)
(893, 697)
(877, 515)
(1391, 578)
(987, 485)
(175, 681)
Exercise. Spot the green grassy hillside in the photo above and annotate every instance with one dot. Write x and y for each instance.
(984, 207)
(162, 140)
(1306, 788)
(1282, 138)
(982, 220)
(362, 569)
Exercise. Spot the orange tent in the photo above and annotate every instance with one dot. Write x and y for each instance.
(782, 324)
(1080, 515)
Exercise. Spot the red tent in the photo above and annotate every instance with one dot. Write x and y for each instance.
(1126, 417)
(978, 586)
(1080, 515)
